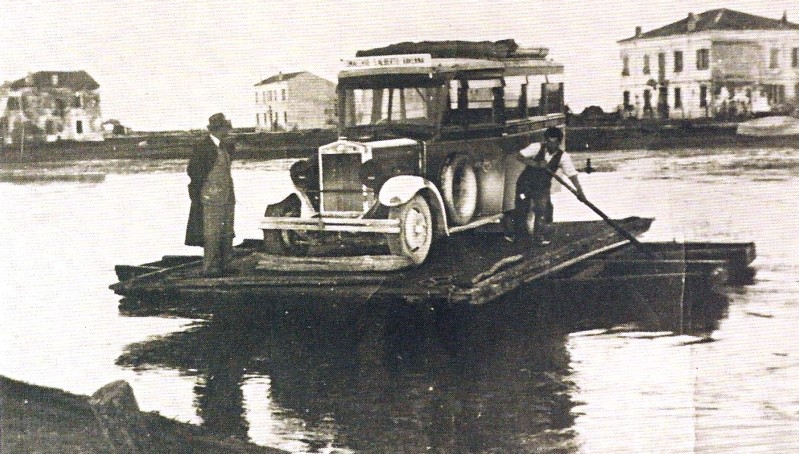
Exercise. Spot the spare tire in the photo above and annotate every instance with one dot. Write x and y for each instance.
(460, 189)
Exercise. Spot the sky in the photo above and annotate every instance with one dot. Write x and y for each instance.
(169, 65)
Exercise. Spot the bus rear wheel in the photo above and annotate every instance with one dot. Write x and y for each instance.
(460, 187)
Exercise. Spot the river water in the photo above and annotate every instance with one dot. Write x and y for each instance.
(390, 378)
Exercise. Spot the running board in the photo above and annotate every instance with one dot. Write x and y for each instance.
(478, 223)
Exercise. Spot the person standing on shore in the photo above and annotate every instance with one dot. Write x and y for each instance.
(533, 187)
(213, 200)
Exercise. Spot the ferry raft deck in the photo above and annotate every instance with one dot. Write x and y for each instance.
(589, 266)
(470, 268)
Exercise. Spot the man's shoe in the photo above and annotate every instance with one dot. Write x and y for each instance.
(212, 274)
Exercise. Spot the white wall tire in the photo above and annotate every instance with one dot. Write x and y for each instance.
(459, 187)
(416, 229)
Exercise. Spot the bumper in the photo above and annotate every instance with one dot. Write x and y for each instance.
(332, 224)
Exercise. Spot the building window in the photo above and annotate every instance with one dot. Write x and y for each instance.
(626, 100)
(677, 98)
(625, 71)
(774, 93)
(703, 96)
(283, 94)
(702, 59)
(256, 97)
(79, 127)
(258, 119)
(286, 118)
(774, 61)
(795, 59)
(677, 61)
(646, 65)
(76, 101)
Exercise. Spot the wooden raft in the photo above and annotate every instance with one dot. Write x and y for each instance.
(471, 267)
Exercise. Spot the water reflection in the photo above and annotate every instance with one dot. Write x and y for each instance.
(387, 374)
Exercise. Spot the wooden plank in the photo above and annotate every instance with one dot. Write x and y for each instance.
(289, 280)
(125, 272)
(742, 253)
(527, 272)
(359, 263)
(643, 266)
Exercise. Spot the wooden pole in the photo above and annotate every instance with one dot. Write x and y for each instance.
(607, 219)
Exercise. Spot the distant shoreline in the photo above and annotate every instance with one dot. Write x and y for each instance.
(265, 146)
(648, 136)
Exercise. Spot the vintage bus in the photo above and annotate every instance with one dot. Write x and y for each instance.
(427, 137)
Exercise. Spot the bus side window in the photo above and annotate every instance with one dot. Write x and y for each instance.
(515, 95)
(551, 98)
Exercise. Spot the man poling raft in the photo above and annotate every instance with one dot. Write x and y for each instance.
(533, 187)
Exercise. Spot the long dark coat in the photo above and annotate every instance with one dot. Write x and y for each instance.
(202, 160)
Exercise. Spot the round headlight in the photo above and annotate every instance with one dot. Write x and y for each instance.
(371, 174)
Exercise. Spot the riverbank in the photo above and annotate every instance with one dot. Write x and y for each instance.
(649, 136)
(170, 145)
(264, 146)
(38, 419)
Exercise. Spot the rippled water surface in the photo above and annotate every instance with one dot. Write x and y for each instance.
(520, 375)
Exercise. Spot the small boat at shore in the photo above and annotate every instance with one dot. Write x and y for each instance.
(772, 126)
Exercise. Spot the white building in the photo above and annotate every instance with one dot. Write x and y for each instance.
(298, 100)
(717, 63)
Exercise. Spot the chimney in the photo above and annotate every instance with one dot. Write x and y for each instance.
(691, 25)
(785, 17)
(280, 75)
(637, 31)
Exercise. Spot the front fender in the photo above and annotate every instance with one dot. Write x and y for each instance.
(400, 189)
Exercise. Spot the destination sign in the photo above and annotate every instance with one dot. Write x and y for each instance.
(388, 61)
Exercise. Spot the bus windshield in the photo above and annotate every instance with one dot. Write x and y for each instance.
(391, 106)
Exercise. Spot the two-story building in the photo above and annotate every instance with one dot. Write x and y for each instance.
(298, 100)
(50, 106)
(717, 63)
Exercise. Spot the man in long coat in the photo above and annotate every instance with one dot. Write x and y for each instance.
(213, 200)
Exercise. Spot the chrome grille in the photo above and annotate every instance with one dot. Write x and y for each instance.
(340, 183)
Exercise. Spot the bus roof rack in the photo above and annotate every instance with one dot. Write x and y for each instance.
(490, 50)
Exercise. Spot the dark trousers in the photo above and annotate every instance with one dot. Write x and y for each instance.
(218, 235)
(516, 221)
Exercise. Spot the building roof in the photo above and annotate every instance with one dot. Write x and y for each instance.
(717, 19)
(280, 77)
(75, 80)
